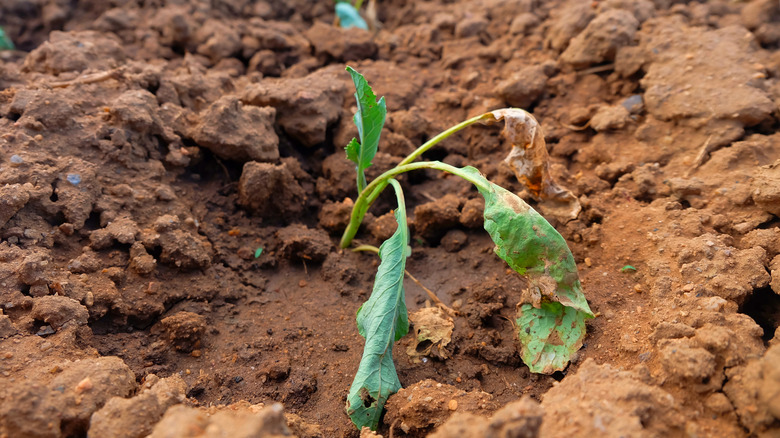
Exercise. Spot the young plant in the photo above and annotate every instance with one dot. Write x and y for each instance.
(5, 41)
(348, 16)
(551, 316)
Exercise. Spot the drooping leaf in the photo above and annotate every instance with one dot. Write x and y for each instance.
(532, 247)
(349, 16)
(550, 335)
(5, 41)
(369, 119)
(382, 320)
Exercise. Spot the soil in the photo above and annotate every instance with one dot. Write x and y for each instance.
(173, 188)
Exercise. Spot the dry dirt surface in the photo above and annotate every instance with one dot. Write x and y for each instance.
(148, 149)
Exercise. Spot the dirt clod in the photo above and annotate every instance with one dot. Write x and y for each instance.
(304, 244)
(240, 421)
(521, 419)
(523, 88)
(134, 417)
(601, 39)
(425, 405)
(234, 131)
(651, 409)
(184, 330)
(59, 311)
(434, 218)
(305, 107)
(270, 190)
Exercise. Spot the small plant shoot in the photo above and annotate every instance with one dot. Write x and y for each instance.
(5, 41)
(369, 119)
(551, 314)
(348, 16)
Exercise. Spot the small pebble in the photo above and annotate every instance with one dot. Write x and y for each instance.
(73, 178)
(638, 288)
(45, 331)
(67, 229)
(84, 385)
(452, 405)
(16, 159)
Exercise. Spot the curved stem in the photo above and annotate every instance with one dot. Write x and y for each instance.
(372, 191)
(369, 194)
(444, 134)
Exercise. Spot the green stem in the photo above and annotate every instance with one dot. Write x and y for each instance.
(358, 4)
(369, 194)
(372, 191)
(361, 179)
(444, 134)
(369, 248)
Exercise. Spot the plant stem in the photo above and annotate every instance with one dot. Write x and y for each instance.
(369, 193)
(361, 179)
(444, 134)
(372, 191)
(358, 4)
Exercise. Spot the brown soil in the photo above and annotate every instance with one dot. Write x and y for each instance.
(148, 148)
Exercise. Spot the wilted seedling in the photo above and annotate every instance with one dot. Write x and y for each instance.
(552, 311)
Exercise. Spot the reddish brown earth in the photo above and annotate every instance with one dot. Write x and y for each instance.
(147, 149)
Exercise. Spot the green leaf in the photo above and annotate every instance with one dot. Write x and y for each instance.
(349, 16)
(353, 151)
(382, 320)
(550, 335)
(369, 119)
(627, 268)
(532, 247)
(5, 41)
(258, 251)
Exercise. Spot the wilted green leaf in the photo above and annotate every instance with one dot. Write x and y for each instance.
(549, 335)
(627, 268)
(349, 16)
(369, 119)
(532, 247)
(382, 320)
